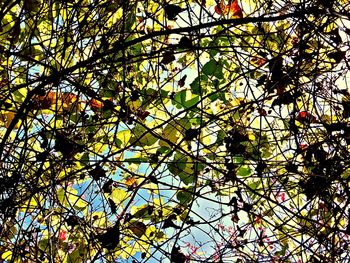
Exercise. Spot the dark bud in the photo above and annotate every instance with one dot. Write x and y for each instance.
(335, 37)
(142, 114)
(150, 209)
(261, 80)
(171, 11)
(185, 42)
(177, 256)
(181, 82)
(191, 134)
(169, 223)
(110, 239)
(247, 207)
(134, 95)
(40, 92)
(337, 55)
(41, 157)
(154, 158)
(275, 66)
(112, 206)
(7, 105)
(168, 57)
(107, 105)
(177, 210)
(292, 168)
(107, 187)
(260, 167)
(73, 221)
(97, 173)
(153, 179)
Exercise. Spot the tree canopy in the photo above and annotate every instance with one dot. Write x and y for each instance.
(174, 131)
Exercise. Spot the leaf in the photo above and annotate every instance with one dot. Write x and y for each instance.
(137, 160)
(142, 136)
(138, 228)
(184, 197)
(305, 117)
(70, 198)
(244, 171)
(119, 196)
(234, 9)
(7, 255)
(185, 99)
(6, 118)
(181, 166)
(198, 85)
(213, 68)
(144, 212)
(123, 137)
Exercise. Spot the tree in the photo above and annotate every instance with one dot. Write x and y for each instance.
(182, 131)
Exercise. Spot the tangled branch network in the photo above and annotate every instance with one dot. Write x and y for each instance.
(174, 131)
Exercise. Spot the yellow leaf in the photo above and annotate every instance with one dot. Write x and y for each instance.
(7, 255)
(119, 196)
(70, 197)
(124, 137)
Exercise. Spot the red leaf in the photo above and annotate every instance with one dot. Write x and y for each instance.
(62, 235)
(142, 114)
(306, 117)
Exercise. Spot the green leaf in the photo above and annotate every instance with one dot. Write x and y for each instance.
(84, 159)
(142, 137)
(136, 160)
(184, 197)
(185, 99)
(182, 167)
(199, 84)
(213, 68)
(244, 171)
(144, 212)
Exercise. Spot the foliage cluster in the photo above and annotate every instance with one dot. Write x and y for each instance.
(182, 131)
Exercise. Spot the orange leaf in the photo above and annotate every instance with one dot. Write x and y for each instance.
(44, 102)
(220, 8)
(234, 9)
(130, 181)
(231, 8)
(96, 104)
